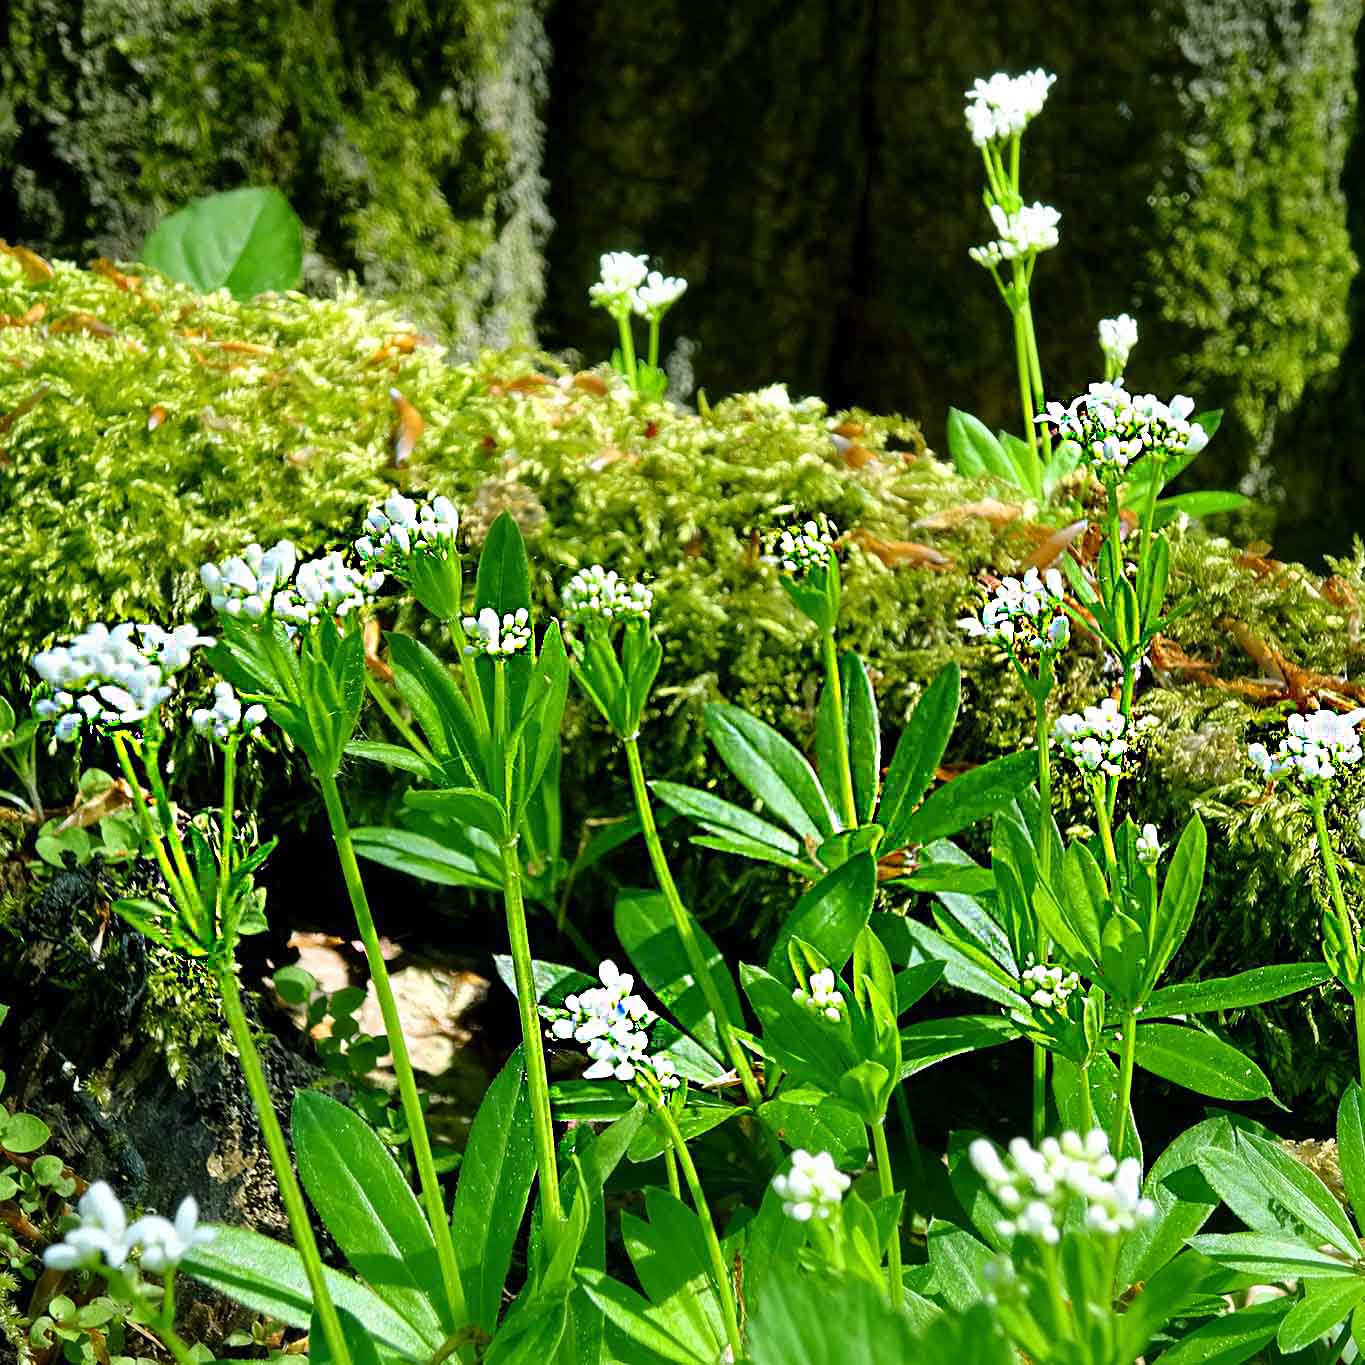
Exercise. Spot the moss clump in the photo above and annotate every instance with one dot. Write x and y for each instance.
(277, 421)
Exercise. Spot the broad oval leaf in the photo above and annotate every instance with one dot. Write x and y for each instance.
(367, 1206)
(246, 241)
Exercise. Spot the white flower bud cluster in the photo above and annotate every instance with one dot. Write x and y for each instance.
(103, 1236)
(596, 594)
(1035, 1186)
(1025, 615)
(403, 526)
(225, 717)
(1022, 234)
(1094, 739)
(612, 1024)
(1113, 427)
(657, 295)
(498, 636)
(1048, 987)
(1118, 336)
(1148, 845)
(246, 584)
(798, 550)
(1003, 106)
(326, 587)
(113, 677)
(1317, 747)
(813, 1187)
(822, 995)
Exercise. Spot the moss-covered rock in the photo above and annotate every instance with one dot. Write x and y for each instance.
(146, 429)
(407, 135)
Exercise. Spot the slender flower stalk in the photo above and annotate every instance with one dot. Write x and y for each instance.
(429, 1181)
(887, 1182)
(830, 655)
(1128, 1055)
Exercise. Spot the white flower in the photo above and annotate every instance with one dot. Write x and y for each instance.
(1118, 336)
(115, 677)
(1004, 106)
(775, 398)
(246, 584)
(1038, 1186)
(594, 594)
(164, 1243)
(1093, 740)
(621, 275)
(1024, 615)
(1113, 427)
(813, 1187)
(1316, 748)
(657, 295)
(226, 717)
(100, 1237)
(1148, 845)
(498, 637)
(325, 587)
(798, 550)
(402, 527)
(823, 995)
(1048, 987)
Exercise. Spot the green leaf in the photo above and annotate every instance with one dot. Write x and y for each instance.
(818, 1126)
(1351, 1146)
(864, 734)
(503, 581)
(359, 1343)
(440, 708)
(369, 1208)
(1027, 467)
(637, 1323)
(463, 806)
(975, 450)
(645, 927)
(268, 1277)
(295, 984)
(979, 792)
(394, 756)
(1196, 505)
(772, 769)
(919, 752)
(1267, 1257)
(1232, 1338)
(723, 817)
(247, 241)
(1296, 1192)
(533, 1334)
(671, 1261)
(420, 857)
(1254, 987)
(1200, 1062)
(1179, 897)
(936, 1040)
(960, 969)
(23, 1132)
(1325, 1304)
(830, 916)
(822, 1319)
(490, 1198)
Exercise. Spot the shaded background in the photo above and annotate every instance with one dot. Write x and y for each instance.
(804, 165)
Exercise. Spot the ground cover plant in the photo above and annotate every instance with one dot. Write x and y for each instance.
(734, 1172)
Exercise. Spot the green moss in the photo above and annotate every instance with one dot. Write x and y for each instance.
(107, 518)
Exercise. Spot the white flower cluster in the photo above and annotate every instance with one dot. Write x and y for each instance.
(1118, 336)
(1025, 614)
(246, 584)
(1149, 845)
(1113, 427)
(1024, 233)
(225, 717)
(1035, 1186)
(1003, 106)
(612, 1024)
(1094, 739)
(627, 285)
(1317, 747)
(798, 550)
(103, 1236)
(813, 1187)
(325, 587)
(823, 995)
(112, 677)
(596, 594)
(498, 636)
(1048, 987)
(401, 526)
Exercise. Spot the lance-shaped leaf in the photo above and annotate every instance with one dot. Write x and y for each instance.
(1254, 987)
(978, 793)
(1200, 1062)
(1179, 897)
(918, 754)
(831, 915)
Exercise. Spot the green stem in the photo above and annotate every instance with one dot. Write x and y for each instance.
(1129, 1045)
(718, 1270)
(226, 834)
(149, 829)
(671, 1167)
(398, 1048)
(1039, 1092)
(377, 691)
(830, 655)
(1111, 860)
(537, 1079)
(654, 343)
(1025, 392)
(682, 922)
(628, 351)
(1087, 1104)
(471, 676)
(887, 1181)
(151, 762)
(1041, 729)
(288, 1182)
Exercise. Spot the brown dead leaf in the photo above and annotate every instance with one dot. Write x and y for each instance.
(36, 270)
(105, 267)
(241, 347)
(8, 419)
(83, 322)
(987, 509)
(373, 661)
(1056, 544)
(155, 416)
(590, 383)
(608, 456)
(114, 798)
(1170, 658)
(857, 456)
(25, 319)
(900, 554)
(408, 426)
(850, 431)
